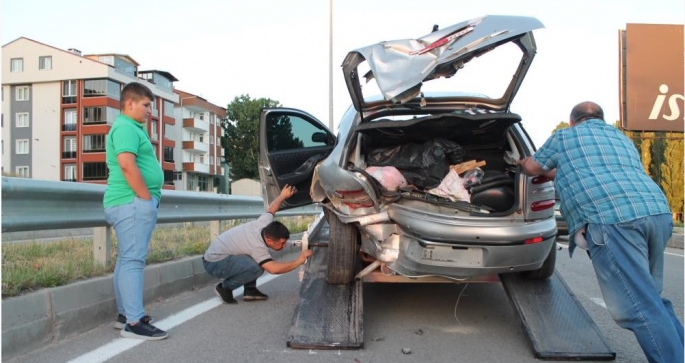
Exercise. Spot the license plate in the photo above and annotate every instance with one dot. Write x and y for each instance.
(457, 256)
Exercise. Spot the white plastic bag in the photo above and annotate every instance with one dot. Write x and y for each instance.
(452, 187)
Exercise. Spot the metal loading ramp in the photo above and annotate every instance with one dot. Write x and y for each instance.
(327, 316)
(557, 325)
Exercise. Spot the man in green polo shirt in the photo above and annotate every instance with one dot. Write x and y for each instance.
(131, 201)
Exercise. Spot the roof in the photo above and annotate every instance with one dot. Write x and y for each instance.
(165, 74)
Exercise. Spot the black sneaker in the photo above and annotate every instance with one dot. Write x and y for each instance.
(121, 321)
(252, 294)
(143, 330)
(225, 295)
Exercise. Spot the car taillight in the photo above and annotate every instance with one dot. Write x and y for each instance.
(540, 179)
(537, 239)
(354, 198)
(542, 205)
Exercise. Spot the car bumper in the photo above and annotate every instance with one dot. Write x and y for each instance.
(416, 258)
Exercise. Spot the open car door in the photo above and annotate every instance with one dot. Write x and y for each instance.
(291, 144)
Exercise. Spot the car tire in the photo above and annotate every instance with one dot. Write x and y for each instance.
(342, 250)
(547, 268)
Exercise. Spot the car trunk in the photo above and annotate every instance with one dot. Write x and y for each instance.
(424, 149)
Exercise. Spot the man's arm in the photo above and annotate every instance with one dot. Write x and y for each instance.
(277, 268)
(275, 205)
(127, 163)
(531, 167)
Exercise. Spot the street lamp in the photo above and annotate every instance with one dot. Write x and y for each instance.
(330, 66)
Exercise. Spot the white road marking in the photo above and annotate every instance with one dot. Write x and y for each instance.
(120, 345)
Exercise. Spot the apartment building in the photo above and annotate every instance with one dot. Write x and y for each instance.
(201, 153)
(60, 104)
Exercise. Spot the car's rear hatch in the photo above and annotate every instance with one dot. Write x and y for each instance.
(401, 67)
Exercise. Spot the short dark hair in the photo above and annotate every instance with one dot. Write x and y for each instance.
(134, 91)
(585, 111)
(276, 230)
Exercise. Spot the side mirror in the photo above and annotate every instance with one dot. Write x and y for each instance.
(320, 137)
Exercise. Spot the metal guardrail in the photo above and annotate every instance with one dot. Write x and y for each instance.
(33, 205)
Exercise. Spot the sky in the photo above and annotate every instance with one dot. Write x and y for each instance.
(221, 49)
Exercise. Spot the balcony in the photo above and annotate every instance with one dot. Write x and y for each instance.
(196, 125)
(196, 167)
(195, 147)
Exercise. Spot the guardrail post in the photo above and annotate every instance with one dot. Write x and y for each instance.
(102, 245)
(214, 230)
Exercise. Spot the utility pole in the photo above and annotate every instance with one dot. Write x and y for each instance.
(330, 67)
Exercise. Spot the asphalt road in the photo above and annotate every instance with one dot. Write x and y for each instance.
(424, 318)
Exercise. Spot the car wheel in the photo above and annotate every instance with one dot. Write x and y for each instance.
(547, 268)
(342, 250)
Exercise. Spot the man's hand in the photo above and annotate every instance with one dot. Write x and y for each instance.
(288, 191)
(304, 255)
(530, 167)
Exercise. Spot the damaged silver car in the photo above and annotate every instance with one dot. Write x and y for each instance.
(421, 176)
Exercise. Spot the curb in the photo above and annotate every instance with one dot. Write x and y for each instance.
(47, 316)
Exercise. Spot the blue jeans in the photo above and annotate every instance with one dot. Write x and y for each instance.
(629, 262)
(236, 271)
(133, 224)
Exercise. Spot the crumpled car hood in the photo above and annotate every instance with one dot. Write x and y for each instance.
(401, 66)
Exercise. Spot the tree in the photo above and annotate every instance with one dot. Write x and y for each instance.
(672, 173)
(241, 135)
(561, 125)
(646, 151)
(657, 152)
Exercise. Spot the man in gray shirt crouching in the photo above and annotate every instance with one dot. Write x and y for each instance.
(241, 254)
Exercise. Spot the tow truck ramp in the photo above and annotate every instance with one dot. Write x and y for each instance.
(557, 325)
(331, 316)
(328, 316)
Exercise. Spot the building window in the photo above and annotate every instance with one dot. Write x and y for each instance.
(69, 172)
(94, 143)
(202, 183)
(211, 160)
(95, 171)
(23, 93)
(69, 91)
(22, 146)
(211, 140)
(192, 182)
(168, 131)
(45, 63)
(17, 65)
(99, 115)
(154, 133)
(169, 177)
(22, 171)
(69, 151)
(22, 120)
(168, 108)
(101, 87)
(168, 154)
(69, 120)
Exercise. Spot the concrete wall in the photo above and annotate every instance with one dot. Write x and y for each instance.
(45, 154)
(247, 187)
